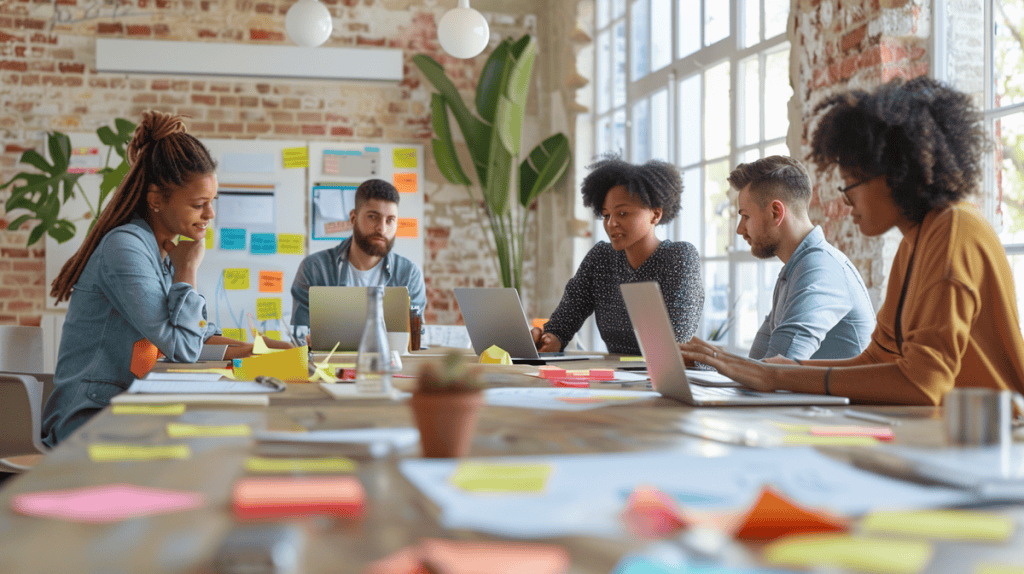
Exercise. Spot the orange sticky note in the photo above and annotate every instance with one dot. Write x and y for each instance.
(271, 281)
(408, 227)
(405, 182)
(775, 515)
(341, 496)
(472, 557)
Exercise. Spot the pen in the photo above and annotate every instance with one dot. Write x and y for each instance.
(871, 417)
(273, 382)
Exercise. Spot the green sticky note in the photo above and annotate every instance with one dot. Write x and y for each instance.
(285, 465)
(811, 440)
(948, 524)
(209, 238)
(862, 554)
(164, 410)
(295, 157)
(290, 243)
(118, 452)
(268, 308)
(629, 359)
(987, 568)
(404, 157)
(499, 477)
(183, 430)
(236, 279)
(236, 334)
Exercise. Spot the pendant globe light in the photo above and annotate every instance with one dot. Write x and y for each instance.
(308, 23)
(463, 32)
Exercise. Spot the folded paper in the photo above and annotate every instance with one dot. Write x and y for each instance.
(289, 364)
(651, 513)
(495, 355)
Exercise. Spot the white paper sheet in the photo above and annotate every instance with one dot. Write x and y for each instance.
(375, 442)
(194, 383)
(553, 398)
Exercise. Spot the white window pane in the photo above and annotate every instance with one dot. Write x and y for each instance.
(751, 22)
(716, 21)
(1009, 134)
(640, 39)
(618, 8)
(750, 92)
(716, 301)
(602, 13)
(717, 111)
(689, 26)
(661, 33)
(604, 136)
(659, 126)
(619, 132)
(776, 17)
(777, 93)
(641, 130)
(750, 155)
(777, 149)
(1008, 59)
(689, 220)
(689, 120)
(619, 65)
(746, 311)
(717, 211)
(604, 72)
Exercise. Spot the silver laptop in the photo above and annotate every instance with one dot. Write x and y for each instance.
(338, 315)
(665, 364)
(495, 316)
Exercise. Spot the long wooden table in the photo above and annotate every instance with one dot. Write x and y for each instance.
(397, 515)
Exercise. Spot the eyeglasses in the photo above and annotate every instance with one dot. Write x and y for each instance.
(844, 190)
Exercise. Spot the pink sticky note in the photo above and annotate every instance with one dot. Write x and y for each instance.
(570, 383)
(602, 374)
(547, 372)
(881, 433)
(471, 557)
(107, 503)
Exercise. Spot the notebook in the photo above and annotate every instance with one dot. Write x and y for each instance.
(495, 316)
(665, 365)
(338, 315)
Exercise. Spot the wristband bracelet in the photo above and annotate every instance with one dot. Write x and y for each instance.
(828, 371)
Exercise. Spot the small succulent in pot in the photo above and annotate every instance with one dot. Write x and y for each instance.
(450, 375)
(445, 404)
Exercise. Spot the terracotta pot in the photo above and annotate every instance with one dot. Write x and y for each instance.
(446, 421)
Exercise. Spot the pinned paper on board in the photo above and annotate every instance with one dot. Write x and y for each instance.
(275, 335)
(332, 204)
(85, 160)
(263, 244)
(271, 281)
(487, 477)
(356, 164)
(295, 157)
(236, 334)
(121, 452)
(404, 157)
(289, 364)
(405, 182)
(247, 163)
(232, 239)
(268, 308)
(236, 279)
(106, 503)
(290, 243)
(408, 227)
(246, 205)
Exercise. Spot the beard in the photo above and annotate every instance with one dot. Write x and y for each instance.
(764, 249)
(372, 249)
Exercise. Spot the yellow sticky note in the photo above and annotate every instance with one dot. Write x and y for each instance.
(259, 346)
(275, 335)
(183, 430)
(295, 157)
(290, 243)
(791, 427)
(289, 364)
(810, 440)
(404, 157)
(408, 227)
(885, 556)
(988, 568)
(171, 409)
(405, 182)
(629, 359)
(495, 355)
(948, 524)
(282, 465)
(236, 279)
(236, 334)
(209, 238)
(498, 477)
(268, 308)
(105, 452)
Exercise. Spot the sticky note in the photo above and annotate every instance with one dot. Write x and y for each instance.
(289, 364)
(495, 355)
(116, 452)
(236, 279)
(290, 243)
(232, 239)
(275, 335)
(631, 358)
(884, 556)
(268, 308)
(947, 524)
(987, 568)
(500, 477)
(404, 157)
(550, 372)
(295, 157)
(774, 515)
(602, 374)
(538, 323)
(209, 238)
(105, 504)
(881, 433)
(263, 244)
(171, 409)
(570, 383)
(405, 182)
(259, 346)
(265, 497)
(271, 281)
(183, 430)
(408, 227)
(474, 557)
(810, 440)
(236, 334)
(651, 512)
(285, 465)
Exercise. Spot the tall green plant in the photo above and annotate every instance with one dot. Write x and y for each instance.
(493, 136)
(43, 194)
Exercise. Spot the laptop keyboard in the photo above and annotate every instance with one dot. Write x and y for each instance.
(719, 392)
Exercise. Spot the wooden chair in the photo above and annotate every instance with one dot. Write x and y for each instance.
(23, 391)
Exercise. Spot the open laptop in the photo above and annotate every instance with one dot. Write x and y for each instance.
(338, 315)
(495, 316)
(665, 365)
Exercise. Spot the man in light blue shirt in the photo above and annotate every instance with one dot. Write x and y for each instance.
(821, 309)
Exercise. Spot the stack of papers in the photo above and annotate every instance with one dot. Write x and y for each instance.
(195, 383)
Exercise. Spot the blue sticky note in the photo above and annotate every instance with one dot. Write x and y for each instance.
(264, 243)
(232, 239)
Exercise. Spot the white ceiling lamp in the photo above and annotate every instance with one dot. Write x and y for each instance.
(463, 32)
(308, 23)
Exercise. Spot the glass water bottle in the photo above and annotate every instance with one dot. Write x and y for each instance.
(373, 364)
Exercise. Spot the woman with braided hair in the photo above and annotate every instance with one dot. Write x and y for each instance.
(909, 154)
(632, 200)
(132, 289)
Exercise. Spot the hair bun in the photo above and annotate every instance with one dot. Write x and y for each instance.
(154, 127)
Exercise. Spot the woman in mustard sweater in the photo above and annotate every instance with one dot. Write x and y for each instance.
(909, 154)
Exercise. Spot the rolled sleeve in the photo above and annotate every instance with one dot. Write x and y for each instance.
(817, 300)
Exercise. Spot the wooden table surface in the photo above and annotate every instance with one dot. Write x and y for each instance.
(397, 515)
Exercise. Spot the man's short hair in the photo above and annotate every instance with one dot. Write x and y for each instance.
(375, 189)
(774, 177)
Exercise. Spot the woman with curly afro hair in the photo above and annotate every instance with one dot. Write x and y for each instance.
(631, 200)
(909, 154)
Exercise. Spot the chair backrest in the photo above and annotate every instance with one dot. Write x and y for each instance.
(21, 407)
(21, 349)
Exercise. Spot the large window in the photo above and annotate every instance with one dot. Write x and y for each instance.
(703, 84)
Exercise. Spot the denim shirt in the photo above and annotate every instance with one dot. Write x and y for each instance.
(821, 308)
(125, 306)
(329, 268)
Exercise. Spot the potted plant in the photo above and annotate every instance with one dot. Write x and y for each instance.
(445, 403)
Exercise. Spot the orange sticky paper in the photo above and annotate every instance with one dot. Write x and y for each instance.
(774, 516)
(652, 513)
(405, 182)
(539, 323)
(341, 496)
(471, 557)
(881, 433)
(549, 372)
(271, 281)
(408, 227)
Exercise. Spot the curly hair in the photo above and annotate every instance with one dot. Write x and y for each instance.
(924, 137)
(376, 189)
(655, 184)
